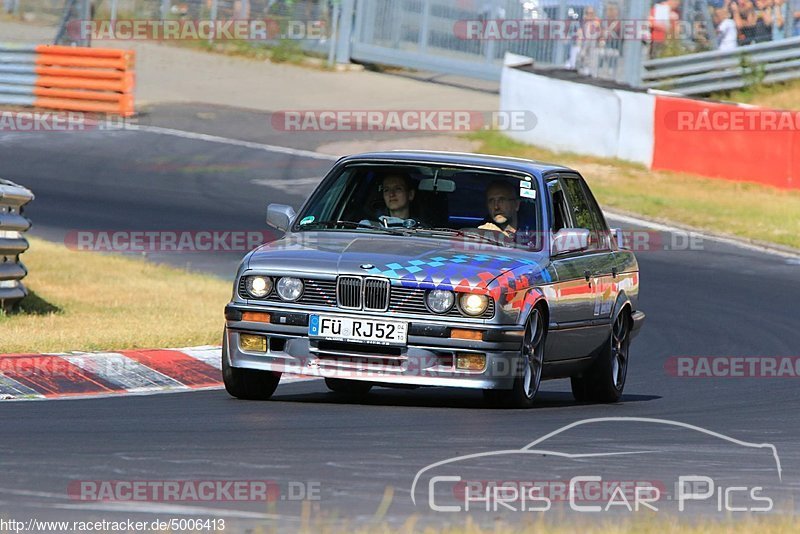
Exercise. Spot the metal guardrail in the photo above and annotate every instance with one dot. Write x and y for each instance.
(708, 72)
(12, 243)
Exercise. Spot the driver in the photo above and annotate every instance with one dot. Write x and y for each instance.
(502, 203)
(398, 194)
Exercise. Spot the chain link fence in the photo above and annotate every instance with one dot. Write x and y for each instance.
(607, 39)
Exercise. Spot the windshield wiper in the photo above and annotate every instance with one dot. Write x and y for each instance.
(461, 233)
(353, 224)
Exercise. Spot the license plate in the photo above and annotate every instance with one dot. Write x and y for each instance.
(356, 330)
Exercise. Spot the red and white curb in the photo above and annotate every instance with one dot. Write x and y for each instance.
(98, 374)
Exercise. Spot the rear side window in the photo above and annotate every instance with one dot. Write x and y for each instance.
(581, 212)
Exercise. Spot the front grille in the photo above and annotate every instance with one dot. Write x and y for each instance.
(348, 292)
(377, 295)
(319, 293)
(356, 293)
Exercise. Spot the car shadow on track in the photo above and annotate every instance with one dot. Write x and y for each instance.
(438, 398)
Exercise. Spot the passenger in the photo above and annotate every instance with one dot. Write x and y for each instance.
(502, 203)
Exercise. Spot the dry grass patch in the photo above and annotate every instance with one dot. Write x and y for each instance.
(750, 211)
(88, 301)
(776, 96)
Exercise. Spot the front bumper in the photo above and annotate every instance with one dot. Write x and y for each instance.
(638, 321)
(428, 359)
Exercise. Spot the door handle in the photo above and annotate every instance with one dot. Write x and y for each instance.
(588, 275)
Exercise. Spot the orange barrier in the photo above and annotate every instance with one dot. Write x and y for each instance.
(84, 52)
(77, 94)
(121, 107)
(91, 84)
(70, 78)
(83, 61)
(84, 73)
(727, 141)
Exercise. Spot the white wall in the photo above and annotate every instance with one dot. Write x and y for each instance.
(581, 118)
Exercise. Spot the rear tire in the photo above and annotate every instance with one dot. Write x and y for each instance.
(348, 388)
(604, 381)
(527, 382)
(247, 384)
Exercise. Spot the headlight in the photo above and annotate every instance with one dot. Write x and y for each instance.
(440, 301)
(290, 288)
(473, 304)
(258, 287)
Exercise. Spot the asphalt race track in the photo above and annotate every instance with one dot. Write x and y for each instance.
(359, 460)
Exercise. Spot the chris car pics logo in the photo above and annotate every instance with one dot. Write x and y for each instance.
(622, 477)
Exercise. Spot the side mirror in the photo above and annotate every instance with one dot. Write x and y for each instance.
(569, 240)
(619, 237)
(280, 216)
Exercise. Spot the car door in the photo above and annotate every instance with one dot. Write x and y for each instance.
(607, 273)
(576, 321)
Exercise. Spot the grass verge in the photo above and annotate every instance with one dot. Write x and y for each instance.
(750, 211)
(88, 301)
(284, 51)
(777, 96)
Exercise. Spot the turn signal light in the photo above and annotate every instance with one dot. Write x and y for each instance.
(460, 333)
(470, 362)
(256, 317)
(253, 343)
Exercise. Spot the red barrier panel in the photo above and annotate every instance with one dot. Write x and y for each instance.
(727, 141)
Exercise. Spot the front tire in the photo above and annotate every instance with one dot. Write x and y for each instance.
(527, 382)
(247, 384)
(604, 381)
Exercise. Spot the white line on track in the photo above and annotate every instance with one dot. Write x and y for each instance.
(159, 508)
(710, 237)
(236, 142)
(288, 185)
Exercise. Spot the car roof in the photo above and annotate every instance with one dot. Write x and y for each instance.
(459, 158)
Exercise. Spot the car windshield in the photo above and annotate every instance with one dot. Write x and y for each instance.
(490, 206)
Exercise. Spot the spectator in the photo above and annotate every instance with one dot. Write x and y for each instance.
(611, 44)
(663, 25)
(744, 15)
(779, 13)
(726, 30)
(590, 35)
(795, 10)
(763, 29)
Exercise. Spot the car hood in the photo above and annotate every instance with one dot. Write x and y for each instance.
(410, 261)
